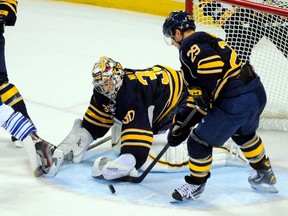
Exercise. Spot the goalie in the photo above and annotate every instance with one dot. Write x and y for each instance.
(140, 104)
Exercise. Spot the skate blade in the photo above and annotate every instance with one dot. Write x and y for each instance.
(265, 188)
(38, 172)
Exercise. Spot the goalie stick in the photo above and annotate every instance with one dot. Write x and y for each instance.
(98, 143)
(140, 178)
(69, 156)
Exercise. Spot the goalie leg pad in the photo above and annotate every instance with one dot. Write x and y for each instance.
(76, 142)
(122, 166)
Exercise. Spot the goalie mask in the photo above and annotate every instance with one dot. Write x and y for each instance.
(107, 77)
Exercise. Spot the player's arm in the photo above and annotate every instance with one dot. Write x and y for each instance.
(8, 13)
(15, 123)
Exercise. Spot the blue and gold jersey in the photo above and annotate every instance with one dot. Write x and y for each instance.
(208, 62)
(143, 101)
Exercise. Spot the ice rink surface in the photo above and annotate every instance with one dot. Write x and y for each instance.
(50, 53)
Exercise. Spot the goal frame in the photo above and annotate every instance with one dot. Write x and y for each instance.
(245, 4)
(271, 119)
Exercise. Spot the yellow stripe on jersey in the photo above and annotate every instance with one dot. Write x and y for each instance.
(100, 112)
(10, 94)
(97, 117)
(210, 65)
(137, 130)
(135, 144)
(136, 137)
(97, 123)
(176, 84)
(11, 4)
(232, 72)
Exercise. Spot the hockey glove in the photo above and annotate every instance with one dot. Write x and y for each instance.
(176, 136)
(199, 97)
(8, 11)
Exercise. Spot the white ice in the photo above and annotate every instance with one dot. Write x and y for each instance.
(50, 53)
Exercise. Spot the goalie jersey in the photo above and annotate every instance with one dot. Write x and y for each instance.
(145, 98)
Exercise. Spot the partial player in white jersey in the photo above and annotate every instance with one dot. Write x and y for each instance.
(140, 105)
(43, 156)
(14, 117)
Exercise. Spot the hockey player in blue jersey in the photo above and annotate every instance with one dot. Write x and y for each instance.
(232, 98)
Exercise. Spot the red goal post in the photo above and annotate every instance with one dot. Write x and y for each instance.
(258, 31)
(246, 4)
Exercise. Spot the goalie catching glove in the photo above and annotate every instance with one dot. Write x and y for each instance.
(76, 143)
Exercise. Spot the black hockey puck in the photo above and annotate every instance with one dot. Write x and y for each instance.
(111, 188)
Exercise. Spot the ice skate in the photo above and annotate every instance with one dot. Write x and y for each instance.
(264, 179)
(188, 191)
(49, 157)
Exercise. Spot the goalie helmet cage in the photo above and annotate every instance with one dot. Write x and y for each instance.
(258, 31)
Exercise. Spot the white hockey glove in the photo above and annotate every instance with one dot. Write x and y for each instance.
(76, 143)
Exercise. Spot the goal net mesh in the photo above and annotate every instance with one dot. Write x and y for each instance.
(259, 37)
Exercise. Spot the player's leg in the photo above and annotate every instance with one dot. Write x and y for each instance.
(8, 16)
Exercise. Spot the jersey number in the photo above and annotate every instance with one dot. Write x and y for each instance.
(143, 75)
(194, 51)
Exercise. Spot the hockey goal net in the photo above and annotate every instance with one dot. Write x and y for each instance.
(258, 31)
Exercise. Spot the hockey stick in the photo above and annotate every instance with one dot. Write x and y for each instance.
(100, 142)
(140, 178)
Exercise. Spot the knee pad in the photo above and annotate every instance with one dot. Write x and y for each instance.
(197, 148)
(241, 140)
